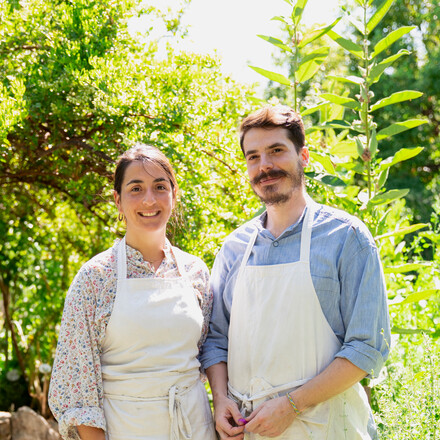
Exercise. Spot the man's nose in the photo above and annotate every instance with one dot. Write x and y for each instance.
(265, 162)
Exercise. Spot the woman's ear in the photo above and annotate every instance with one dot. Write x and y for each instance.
(117, 198)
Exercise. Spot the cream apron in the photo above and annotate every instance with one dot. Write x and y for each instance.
(151, 379)
(279, 339)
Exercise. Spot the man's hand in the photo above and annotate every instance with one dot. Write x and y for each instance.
(228, 420)
(271, 418)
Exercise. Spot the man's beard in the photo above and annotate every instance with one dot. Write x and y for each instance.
(270, 195)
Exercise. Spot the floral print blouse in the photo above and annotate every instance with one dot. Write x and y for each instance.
(76, 392)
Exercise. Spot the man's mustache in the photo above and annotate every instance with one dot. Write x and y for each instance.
(270, 174)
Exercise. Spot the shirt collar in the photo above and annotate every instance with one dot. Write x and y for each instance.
(261, 221)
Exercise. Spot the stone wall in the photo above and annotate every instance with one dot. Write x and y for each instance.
(26, 424)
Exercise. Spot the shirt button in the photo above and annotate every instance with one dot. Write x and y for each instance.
(276, 244)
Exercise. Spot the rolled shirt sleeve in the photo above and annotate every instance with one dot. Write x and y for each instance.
(76, 394)
(363, 306)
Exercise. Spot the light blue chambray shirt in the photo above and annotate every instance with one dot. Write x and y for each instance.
(346, 273)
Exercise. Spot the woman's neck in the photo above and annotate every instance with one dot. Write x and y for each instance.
(150, 245)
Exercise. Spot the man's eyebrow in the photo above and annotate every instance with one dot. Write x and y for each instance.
(269, 147)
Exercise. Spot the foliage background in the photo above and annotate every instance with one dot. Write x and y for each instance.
(77, 89)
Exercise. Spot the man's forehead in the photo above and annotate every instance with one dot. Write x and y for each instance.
(266, 137)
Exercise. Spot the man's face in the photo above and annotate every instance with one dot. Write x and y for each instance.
(274, 167)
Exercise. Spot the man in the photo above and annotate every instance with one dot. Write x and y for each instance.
(300, 313)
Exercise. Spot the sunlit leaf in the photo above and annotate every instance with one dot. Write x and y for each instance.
(298, 11)
(377, 70)
(378, 15)
(404, 95)
(273, 76)
(402, 231)
(417, 296)
(390, 39)
(336, 123)
(341, 100)
(343, 149)
(275, 42)
(317, 33)
(326, 179)
(279, 18)
(400, 156)
(347, 79)
(325, 161)
(353, 48)
(310, 64)
(410, 331)
(314, 109)
(388, 197)
(399, 127)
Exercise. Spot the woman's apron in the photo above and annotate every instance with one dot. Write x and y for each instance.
(279, 339)
(150, 371)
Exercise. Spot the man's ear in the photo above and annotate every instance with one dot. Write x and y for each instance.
(305, 157)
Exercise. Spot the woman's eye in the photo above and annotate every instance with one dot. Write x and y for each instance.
(135, 189)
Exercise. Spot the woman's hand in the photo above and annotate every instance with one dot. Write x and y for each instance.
(228, 419)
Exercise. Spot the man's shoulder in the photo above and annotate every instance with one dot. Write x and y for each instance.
(243, 233)
(340, 220)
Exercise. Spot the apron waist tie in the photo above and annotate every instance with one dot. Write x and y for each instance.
(245, 401)
(179, 421)
(180, 424)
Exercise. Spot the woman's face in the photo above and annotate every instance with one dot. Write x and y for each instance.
(146, 199)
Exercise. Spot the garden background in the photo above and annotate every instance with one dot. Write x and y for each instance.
(77, 89)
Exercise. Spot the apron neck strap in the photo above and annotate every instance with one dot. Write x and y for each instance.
(248, 249)
(179, 256)
(122, 260)
(306, 233)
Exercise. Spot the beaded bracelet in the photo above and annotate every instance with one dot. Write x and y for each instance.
(297, 411)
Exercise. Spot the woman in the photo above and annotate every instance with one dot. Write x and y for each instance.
(135, 316)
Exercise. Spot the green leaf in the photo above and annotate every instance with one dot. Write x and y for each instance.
(353, 48)
(310, 64)
(341, 100)
(279, 18)
(336, 123)
(400, 156)
(405, 268)
(383, 178)
(377, 69)
(298, 11)
(313, 109)
(402, 231)
(317, 33)
(276, 42)
(343, 149)
(398, 127)
(326, 179)
(390, 39)
(404, 95)
(388, 196)
(378, 15)
(410, 331)
(273, 76)
(417, 296)
(347, 79)
(324, 160)
(373, 142)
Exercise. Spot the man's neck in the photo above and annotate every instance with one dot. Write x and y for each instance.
(281, 216)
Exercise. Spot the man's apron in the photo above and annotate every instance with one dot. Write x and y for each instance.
(279, 339)
(150, 371)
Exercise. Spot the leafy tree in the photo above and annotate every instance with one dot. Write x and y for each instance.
(77, 90)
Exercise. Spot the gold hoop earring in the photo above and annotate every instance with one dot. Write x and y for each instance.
(121, 217)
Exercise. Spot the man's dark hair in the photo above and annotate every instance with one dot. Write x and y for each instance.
(279, 116)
